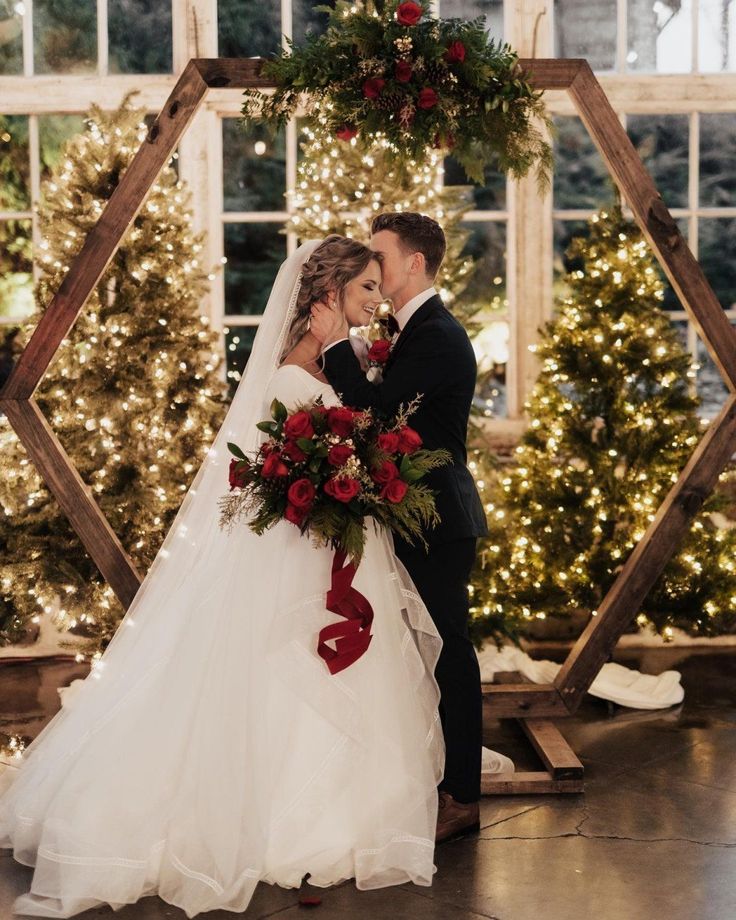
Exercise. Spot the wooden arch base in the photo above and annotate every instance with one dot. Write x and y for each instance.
(533, 704)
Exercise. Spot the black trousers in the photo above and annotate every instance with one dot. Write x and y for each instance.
(441, 577)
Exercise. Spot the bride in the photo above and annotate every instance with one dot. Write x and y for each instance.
(210, 748)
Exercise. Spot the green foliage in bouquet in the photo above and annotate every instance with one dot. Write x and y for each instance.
(328, 470)
(390, 68)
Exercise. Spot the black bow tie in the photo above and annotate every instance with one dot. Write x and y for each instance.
(392, 324)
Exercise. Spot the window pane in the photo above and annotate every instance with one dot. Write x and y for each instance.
(717, 35)
(306, 20)
(16, 279)
(564, 231)
(486, 298)
(717, 146)
(248, 28)
(53, 133)
(65, 36)
(254, 253)
(711, 388)
(238, 346)
(491, 196)
(662, 143)
(492, 10)
(660, 36)
(717, 250)
(11, 38)
(139, 35)
(587, 29)
(581, 179)
(15, 167)
(254, 168)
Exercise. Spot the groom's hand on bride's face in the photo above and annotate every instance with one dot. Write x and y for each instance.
(328, 323)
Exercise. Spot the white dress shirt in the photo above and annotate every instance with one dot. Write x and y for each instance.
(403, 315)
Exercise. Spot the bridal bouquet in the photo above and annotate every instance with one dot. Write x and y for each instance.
(327, 470)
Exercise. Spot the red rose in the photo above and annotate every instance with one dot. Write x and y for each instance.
(394, 490)
(372, 87)
(455, 52)
(293, 452)
(389, 441)
(340, 421)
(385, 472)
(339, 454)
(298, 425)
(403, 71)
(301, 494)
(346, 133)
(237, 478)
(295, 515)
(409, 440)
(274, 467)
(409, 13)
(343, 488)
(379, 351)
(428, 98)
(268, 447)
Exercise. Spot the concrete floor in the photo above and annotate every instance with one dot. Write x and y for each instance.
(653, 836)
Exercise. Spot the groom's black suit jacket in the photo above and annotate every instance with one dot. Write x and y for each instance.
(432, 357)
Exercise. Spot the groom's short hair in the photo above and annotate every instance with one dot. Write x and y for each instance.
(417, 233)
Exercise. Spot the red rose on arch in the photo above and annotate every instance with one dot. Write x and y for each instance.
(295, 515)
(346, 133)
(342, 488)
(428, 98)
(339, 454)
(409, 440)
(403, 71)
(389, 441)
(340, 421)
(274, 467)
(385, 472)
(237, 478)
(455, 52)
(301, 494)
(293, 452)
(299, 425)
(409, 13)
(379, 351)
(394, 491)
(373, 87)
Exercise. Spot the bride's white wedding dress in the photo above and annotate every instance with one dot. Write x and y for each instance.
(211, 748)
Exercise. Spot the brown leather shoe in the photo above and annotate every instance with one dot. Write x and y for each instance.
(454, 819)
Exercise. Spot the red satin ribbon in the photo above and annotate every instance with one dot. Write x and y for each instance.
(353, 637)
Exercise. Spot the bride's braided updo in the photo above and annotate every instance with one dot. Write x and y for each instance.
(332, 265)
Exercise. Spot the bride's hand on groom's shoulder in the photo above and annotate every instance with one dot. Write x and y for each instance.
(328, 323)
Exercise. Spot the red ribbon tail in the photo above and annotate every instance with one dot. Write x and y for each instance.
(352, 637)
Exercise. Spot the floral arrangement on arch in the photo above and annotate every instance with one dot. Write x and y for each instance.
(390, 67)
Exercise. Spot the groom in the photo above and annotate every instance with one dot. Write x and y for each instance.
(432, 356)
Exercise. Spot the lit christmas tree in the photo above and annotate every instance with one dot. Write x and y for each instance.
(133, 393)
(613, 421)
(340, 187)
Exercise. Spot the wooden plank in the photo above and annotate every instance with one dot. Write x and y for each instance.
(231, 73)
(528, 784)
(508, 701)
(649, 557)
(74, 496)
(552, 73)
(556, 754)
(656, 222)
(104, 238)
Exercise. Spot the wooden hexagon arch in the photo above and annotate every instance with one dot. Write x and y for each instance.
(532, 704)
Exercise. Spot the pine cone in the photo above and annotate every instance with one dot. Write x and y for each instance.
(391, 101)
(434, 71)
